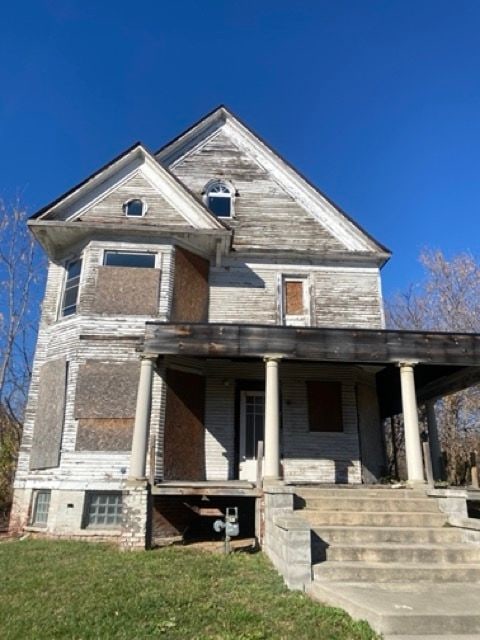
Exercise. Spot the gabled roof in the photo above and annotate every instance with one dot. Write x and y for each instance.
(70, 205)
(308, 195)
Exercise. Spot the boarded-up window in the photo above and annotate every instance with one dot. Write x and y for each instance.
(48, 428)
(293, 292)
(127, 291)
(105, 402)
(324, 406)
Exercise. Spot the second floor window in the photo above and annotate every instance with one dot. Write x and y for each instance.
(72, 288)
(129, 259)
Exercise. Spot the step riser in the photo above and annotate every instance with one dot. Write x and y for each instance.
(350, 535)
(434, 556)
(340, 518)
(327, 573)
(308, 494)
(375, 505)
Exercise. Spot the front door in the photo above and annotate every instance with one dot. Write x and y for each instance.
(252, 417)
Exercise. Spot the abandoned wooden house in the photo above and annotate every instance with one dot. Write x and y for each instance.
(206, 303)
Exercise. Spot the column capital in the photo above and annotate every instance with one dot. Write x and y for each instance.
(150, 357)
(272, 358)
(407, 363)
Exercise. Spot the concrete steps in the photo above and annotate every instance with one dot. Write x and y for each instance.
(405, 553)
(374, 518)
(389, 557)
(332, 571)
(402, 535)
(400, 610)
(377, 505)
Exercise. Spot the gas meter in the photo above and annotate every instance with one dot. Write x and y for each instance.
(229, 524)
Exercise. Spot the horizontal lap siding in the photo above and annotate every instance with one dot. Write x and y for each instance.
(249, 293)
(320, 457)
(347, 298)
(112, 338)
(110, 209)
(265, 214)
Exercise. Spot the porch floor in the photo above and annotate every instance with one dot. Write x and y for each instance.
(206, 488)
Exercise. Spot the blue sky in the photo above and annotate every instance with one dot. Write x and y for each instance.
(377, 102)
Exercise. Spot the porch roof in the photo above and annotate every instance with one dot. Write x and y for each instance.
(361, 346)
(445, 362)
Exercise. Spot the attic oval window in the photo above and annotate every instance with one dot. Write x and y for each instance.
(219, 199)
(135, 208)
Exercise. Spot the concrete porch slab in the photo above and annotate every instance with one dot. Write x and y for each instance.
(433, 610)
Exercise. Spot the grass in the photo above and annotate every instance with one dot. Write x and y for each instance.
(83, 591)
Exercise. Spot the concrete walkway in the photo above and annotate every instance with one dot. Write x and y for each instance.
(420, 609)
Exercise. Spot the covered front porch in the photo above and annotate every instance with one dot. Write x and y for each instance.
(240, 385)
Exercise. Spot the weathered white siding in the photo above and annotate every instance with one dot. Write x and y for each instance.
(307, 456)
(80, 338)
(249, 292)
(266, 215)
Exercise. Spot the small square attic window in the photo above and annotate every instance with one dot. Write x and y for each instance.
(135, 208)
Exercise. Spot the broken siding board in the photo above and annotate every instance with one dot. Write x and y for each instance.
(49, 417)
(265, 214)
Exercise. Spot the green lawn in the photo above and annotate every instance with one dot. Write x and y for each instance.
(83, 591)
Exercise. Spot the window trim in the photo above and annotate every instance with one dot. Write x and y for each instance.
(296, 320)
(130, 252)
(37, 493)
(89, 496)
(231, 195)
(61, 314)
(144, 207)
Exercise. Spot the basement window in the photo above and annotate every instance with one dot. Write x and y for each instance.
(41, 505)
(135, 208)
(129, 259)
(72, 287)
(103, 509)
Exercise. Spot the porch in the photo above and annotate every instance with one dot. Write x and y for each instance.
(398, 368)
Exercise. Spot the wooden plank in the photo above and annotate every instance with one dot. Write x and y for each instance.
(326, 344)
(449, 384)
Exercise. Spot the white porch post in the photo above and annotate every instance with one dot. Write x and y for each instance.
(413, 447)
(272, 420)
(433, 440)
(138, 459)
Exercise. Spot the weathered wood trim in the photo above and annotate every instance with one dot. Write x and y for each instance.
(449, 384)
(323, 345)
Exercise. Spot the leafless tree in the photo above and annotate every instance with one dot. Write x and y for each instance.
(448, 299)
(22, 277)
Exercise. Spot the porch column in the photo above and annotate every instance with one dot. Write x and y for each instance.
(433, 440)
(272, 420)
(138, 459)
(413, 447)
